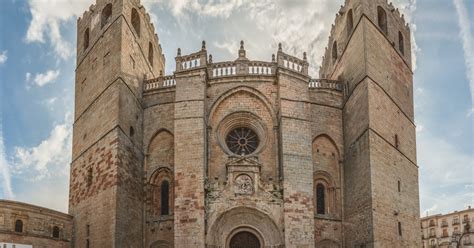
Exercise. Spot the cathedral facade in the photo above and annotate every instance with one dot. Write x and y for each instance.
(243, 153)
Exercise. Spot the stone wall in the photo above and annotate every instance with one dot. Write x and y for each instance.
(38, 225)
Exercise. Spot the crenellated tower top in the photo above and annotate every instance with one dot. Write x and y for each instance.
(382, 14)
(94, 22)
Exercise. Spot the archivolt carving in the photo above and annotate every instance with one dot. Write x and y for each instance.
(243, 217)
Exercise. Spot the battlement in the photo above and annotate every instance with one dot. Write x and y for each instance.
(382, 14)
(94, 22)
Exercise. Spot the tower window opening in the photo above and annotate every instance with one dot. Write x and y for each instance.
(106, 14)
(350, 22)
(55, 232)
(131, 131)
(397, 141)
(399, 186)
(19, 226)
(320, 199)
(89, 176)
(150, 53)
(165, 200)
(401, 44)
(334, 52)
(86, 39)
(399, 228)
(382, 19)
(136, 21)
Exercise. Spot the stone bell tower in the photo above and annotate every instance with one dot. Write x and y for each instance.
(369, 50)
(116, 49)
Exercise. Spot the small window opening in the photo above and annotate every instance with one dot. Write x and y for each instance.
(397, 142)
(399, 186)
(136, 21)
(334, 52)
(320, 199)
(55, 232)
(19, 226)
(350, 22)
(86, 39)
(87, 243)
(150, 53)
(131, 131)
(88, 230)
(401, 45)
(106, 14)
(399, 228)
(165, 189)
(89, 176)
(382, 19)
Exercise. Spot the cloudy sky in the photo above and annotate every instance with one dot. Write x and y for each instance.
(37, 61)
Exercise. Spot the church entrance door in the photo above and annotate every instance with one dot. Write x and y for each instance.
(244, 240)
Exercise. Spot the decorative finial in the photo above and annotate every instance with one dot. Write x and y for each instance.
(279, 47)
(241, 50)
(179, 51)
(203, 45)
(273, 57)
(304, 56)
(210, 58)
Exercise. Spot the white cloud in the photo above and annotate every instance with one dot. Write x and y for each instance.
(445, 174)
(48, 77)
(6, 187)
(227, 46)
(467, 41)
(50, 157)
(3, 57)
(47, 18)
(301, 26)
(41, 173)
(470, 112)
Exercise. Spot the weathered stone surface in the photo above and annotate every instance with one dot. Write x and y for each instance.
(152, 165)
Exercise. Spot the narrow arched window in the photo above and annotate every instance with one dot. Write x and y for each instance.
(136, 21)
(401, 44)
(382, 19)
(399, 228)
(106, 14)
(18, 226)
(150, 53)
(165, 198)
(320, 199)
(349, 22)
(86, 39)
(334, 52)
(55, 232)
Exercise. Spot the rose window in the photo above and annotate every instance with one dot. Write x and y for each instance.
(242, 141)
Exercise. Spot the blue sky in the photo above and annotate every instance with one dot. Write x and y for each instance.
(37, 61)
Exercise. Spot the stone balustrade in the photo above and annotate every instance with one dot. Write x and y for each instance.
(325, 84)
(160, 82)
(293, 65)
(260, 68)
(224, 69)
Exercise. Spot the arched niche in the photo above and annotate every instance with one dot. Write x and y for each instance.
(326, 172)
(160, 152)
(161, 177)
(244, 219)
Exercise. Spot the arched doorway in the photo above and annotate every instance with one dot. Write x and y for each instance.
(244, 240)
